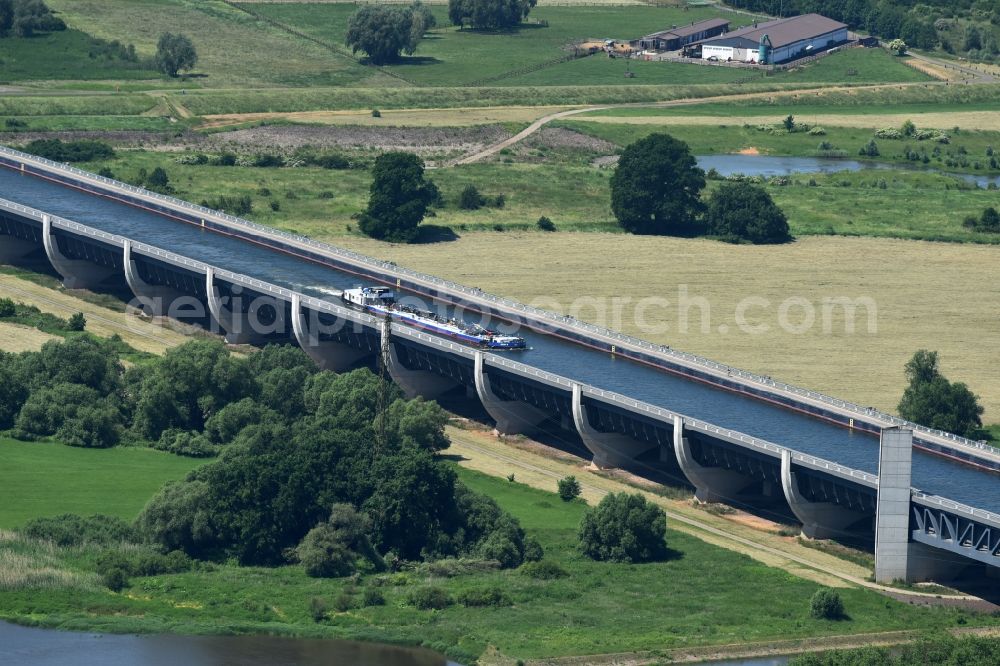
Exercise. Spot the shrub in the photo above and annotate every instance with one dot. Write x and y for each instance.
(85, 150)
(76, 322)
(544, 570)
(186, 443)
(70, 529)
(332, 161)
(569, 488)
(470, 198)
(7, 307)
(372, 596)
(624, 528)
(480, 598)
(318, 608)
(343, 603)
(376, 113)
(234, 205)
(275, 206)
(746, 212)
(533, 551)
(115, 579)
(545, 224)
(817, 131)
(431, 598)
(826, 605)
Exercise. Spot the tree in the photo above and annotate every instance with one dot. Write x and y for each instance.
(655, 188)
(399, 198)
(898, 46)
(624, 528)
(826, 605)
(383, 32)
(158, 181)
(973, 40)
(569, 488)
(331, 549)
(789, 122)
(470, 198)
(26, 17)
(174, 53)
(744, 211)
(931, 400)
(76, 322)
(489, 14)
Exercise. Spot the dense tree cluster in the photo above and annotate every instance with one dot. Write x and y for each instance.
(270, 495)
(399, 198)
(83, 150)
(385, 31)
(988, 221)
(624, 528)
(24, 18)
(489, 14)
(657, 186)
(933, 401)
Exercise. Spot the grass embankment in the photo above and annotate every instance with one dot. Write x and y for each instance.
(48, 478)
(546, 181)
(105, 316)
(70, 54)
(597, 608)
(234, 49)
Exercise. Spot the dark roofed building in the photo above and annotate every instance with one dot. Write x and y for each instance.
(675, 38)
(789, 38)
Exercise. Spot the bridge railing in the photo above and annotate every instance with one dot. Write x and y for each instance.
(956, 507)
(869, 414)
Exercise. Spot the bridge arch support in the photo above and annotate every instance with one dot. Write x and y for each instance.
(609, 449)
(712, 484)
(413, 382)
(512, 417)
(820, 520)
(76, 273)
(153, 299)
(326, 354)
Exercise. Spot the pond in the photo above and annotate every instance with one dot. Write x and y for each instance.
(775, 165)
(48, 647)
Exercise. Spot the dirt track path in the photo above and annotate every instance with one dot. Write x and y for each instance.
(545, 120)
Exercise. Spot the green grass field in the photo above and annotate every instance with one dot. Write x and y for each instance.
(48, 478)
(234, 49)
(703, 595)
(62, 55)
(449, 56)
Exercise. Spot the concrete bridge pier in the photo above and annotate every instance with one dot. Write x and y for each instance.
(76, 273)
(820, 520)
(609, 449)
(413, 382)
(712, 484)
(326, 354)
(153, 299)
(512, 417)
(897, 557)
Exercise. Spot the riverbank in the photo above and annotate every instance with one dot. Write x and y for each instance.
(668, 605)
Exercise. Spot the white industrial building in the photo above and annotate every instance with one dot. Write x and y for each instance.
(776, 41)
